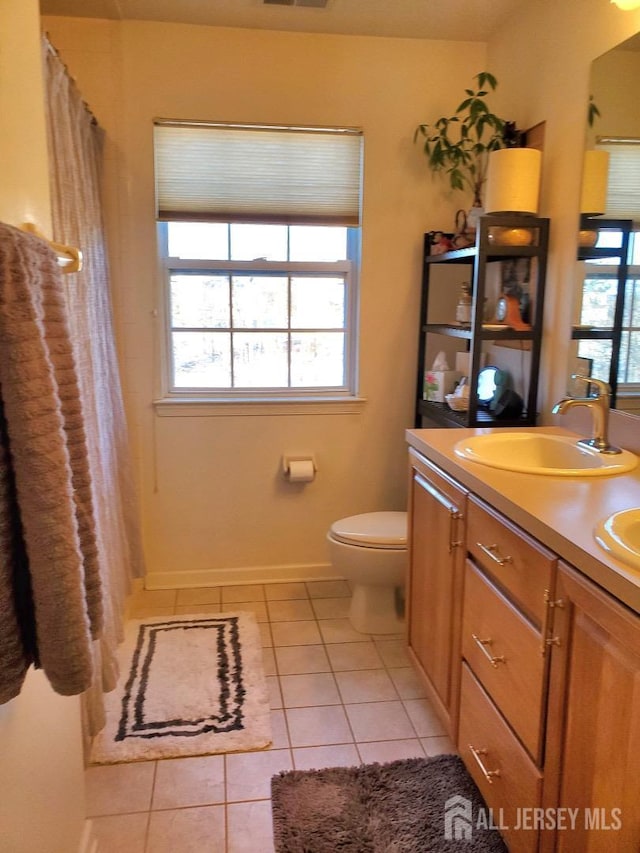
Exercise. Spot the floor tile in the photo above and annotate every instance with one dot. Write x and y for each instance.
(249, 773)
(295, 633)
(393, 652)
(318, 726)
(328, 589)
(294, 660)
(438, 745)
(407, 683)
(196, 609)
(142, 610)
(258, 608)
(246, 592)
(279, 591)
(125, 833)
(250, 828)
(331, 608)
(389, 636)
(155, 597)
(365, 685)
(197, 781)
(200, 595)
(265, 634)
(317, 757)
(290, 610)
(379, 721)
(340, 631)
(275, 696)
(348, 698)
(424, 718)
(351, 656)
(301, 691)
(193, 830)
(269, 661)
(279, 730)
(119, 788)
(390, 750)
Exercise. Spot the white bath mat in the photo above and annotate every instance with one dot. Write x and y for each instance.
(189, 685)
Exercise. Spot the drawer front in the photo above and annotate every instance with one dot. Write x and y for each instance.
(486, 743)
(503, 650)
(519, 564)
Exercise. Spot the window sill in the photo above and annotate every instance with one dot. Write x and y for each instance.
(196, 407)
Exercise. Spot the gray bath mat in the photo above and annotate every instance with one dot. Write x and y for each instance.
(416, 805)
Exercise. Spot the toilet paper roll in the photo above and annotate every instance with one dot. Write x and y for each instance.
(301, 471)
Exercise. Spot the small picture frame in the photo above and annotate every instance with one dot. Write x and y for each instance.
(515, 276)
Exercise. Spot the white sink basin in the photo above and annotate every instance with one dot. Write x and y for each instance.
(543, 453)
(620, 535)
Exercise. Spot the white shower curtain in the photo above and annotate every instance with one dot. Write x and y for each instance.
(75, 152)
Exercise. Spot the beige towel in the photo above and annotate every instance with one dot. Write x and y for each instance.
(48, 451)
(16, 611)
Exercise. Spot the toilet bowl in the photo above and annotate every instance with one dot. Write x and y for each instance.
(370, 551)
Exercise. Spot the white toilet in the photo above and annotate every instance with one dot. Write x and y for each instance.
(370, 551)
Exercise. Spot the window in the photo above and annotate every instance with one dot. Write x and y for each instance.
(254, 308)
(599, 295)
(600, 285)
(259, 235)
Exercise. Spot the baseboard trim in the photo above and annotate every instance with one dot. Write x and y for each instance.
(88, 841)
(241, 576)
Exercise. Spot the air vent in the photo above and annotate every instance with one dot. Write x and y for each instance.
(316, 4)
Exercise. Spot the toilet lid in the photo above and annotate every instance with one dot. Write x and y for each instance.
(373, 530)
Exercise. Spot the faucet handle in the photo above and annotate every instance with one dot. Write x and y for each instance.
(603, 388)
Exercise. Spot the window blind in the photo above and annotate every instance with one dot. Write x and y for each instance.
(623, 191)
(233, 173)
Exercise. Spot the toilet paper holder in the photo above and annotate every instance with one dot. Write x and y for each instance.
(287, 459)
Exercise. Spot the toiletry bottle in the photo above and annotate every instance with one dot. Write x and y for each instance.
(463, 308)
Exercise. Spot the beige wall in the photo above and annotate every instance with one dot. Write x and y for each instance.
(41, 776)
(24, 191)
(614, 84)
(211, 493)
(213, 498)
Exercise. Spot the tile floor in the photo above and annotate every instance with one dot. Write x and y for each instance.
(337, 697)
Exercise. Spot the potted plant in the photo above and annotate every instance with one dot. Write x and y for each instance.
(459, 145)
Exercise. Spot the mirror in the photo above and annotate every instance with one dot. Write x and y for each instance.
(606, 329)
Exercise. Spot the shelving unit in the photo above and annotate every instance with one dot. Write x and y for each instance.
(619, 257)
(480, 261)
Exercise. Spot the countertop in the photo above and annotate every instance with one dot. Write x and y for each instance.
(561, 512)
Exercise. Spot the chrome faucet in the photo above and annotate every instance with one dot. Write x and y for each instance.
(599, 404)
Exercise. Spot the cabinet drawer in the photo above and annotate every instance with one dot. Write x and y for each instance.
(503, 650)
(519, 564)
(514, 782)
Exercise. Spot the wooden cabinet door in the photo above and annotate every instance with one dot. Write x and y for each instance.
(436, 551)
(593, 753)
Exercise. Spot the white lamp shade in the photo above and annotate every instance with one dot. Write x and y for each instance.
(626, 5)
(513, 181)
(595, 181)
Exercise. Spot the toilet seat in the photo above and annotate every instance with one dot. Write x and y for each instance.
(383, 530)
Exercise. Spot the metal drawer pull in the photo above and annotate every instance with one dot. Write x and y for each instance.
(482, 644)
(488, 774)
(493, 552)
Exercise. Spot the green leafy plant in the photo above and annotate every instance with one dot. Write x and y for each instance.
(459, 145)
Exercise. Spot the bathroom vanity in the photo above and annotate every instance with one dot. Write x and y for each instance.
(527, 635)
